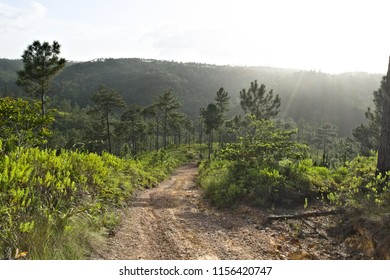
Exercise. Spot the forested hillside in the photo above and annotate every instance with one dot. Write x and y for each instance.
(309, 96)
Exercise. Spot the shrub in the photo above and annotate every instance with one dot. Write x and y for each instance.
(215, 179)
(288, 183)
(359, 186)
(266, 167)
(43, 195)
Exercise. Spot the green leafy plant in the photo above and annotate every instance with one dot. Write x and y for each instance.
(359, 185)
(21, 124)
(262, 168)
(44, 194)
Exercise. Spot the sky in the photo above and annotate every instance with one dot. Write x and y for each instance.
(331, 36)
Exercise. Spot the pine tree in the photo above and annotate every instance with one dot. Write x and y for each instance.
(41, 65)
(368, 134)
(212, 122)
(326, 134)
(255, 101)
(131, 127)
(222, 101)
(177, 126)
(105, 102)
(168, 105)
(152, 115)
(383, 164)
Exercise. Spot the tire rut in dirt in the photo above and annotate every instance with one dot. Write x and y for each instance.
(173, 221)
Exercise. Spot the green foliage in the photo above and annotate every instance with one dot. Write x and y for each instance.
(314, 182)
(211, 117)
(105, 101)
(325, 135)
(160, 163)
(41, 64)
(288, 184)
(263, 144)
(222, 101)
(21, 125)
(343, 150)
(212, 120)
(43, 195)
(315, 96)
(131, 128)
(269, 173)
(166, 106)
(215, 179)
(359, 185)
(368, 134)
(267, 168)
(71, 128)
(257, 102)
(264, 168)
(367, 138)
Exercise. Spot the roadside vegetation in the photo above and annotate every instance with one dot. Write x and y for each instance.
(58, 206)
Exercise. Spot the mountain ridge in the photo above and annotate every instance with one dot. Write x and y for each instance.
(314, 96)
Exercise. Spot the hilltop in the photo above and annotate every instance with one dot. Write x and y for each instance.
(314, 96)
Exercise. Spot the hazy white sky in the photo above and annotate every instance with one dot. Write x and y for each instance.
(322, 35)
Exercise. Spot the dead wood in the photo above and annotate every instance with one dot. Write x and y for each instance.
(305, 215)
(314, 229)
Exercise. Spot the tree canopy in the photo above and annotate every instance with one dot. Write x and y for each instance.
(41, 63)
(257, 102)
(106, 100)
(21, 124)
(168, 104)
(315, 96)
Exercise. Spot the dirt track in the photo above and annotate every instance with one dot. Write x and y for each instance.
(173, 221)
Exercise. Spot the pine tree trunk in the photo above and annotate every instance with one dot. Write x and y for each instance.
(43, 110)
(108, 133)
(200, 141)
(220, 138)
(157, 134)
(165, 130)
(210, 144)
(384, 143)
(43, 104)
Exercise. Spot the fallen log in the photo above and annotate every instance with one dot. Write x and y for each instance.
(305, 215)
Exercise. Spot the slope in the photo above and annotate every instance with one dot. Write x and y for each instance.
(317, 97)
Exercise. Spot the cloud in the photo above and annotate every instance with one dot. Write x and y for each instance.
(15, 19)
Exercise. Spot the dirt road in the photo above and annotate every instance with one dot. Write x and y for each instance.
(174, 221)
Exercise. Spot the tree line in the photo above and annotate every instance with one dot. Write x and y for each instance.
(109, 124)
(317, 97)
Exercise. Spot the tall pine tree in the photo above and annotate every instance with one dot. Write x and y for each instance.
(368, 134)
(383, 165)
(222, 101)
(212, 122)
(168, 104)
(106, 100)
(257, 102)
(41, 64)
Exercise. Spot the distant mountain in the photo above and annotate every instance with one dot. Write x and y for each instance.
(8, 76)
(314, 96)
